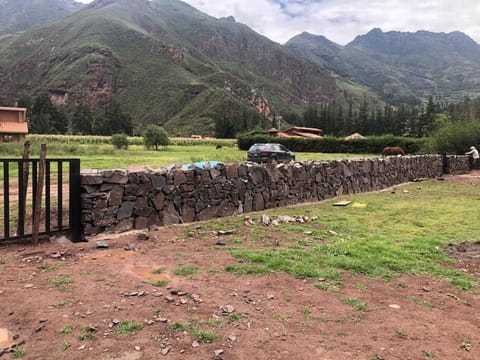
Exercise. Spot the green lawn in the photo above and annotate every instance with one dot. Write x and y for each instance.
(96, 152)
(387, 235)
(105, 156)
(178, 154)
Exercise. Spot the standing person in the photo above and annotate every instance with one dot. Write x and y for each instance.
(475, 157)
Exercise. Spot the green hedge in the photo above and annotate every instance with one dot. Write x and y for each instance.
(371, 145)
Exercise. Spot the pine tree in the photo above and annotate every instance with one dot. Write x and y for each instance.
(82, 121)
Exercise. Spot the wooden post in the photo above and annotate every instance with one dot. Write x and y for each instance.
(37, 213)
(25, 170)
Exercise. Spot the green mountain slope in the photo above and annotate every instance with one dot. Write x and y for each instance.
(401, 67)
(165, 62)
(19, 15)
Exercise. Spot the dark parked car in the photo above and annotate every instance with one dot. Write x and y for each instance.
(269, 152)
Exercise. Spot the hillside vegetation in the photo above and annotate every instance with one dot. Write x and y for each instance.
(401, 67)
(18, 15)
(165, 62)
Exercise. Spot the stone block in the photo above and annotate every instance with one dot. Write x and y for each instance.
(141, 223)
(91, 180)
(159, 201)
(232, 171)
(140, 203)
(117, 178)
(144, 212)
(188, 214)
(170, 214)
(125, 211)
(131, 189)
(124, 225)
(115, 196)
(179, 178)
(158, 182)
(207, 213)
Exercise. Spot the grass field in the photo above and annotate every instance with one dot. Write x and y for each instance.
(389, 234)
(96, 153)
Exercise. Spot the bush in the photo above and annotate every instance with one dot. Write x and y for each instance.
(456, 137)
(120, 141)
(155, 136)
(371, 145)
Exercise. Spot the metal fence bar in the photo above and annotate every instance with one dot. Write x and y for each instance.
(21, 200)
(74, 205)
(75, 211)
(60, 195)
(34, 186)
(47, 197)
(6, 199)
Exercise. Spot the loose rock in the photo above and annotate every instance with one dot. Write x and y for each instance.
(102, 245)
(266, 220)
(219, 352)
(227, 309)
(165, 350)
(143, 237)
(221, 242)
(129, 247)
(225, 232)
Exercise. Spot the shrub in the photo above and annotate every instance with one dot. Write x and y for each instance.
(155, 136)
(371, 145)
(456, 137)
(120, 141)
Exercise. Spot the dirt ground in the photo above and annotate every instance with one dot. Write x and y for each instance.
(256, 317)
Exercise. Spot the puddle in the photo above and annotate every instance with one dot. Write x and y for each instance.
(146, 272)
(6, 339)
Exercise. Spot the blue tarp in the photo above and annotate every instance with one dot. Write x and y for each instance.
(201, 164)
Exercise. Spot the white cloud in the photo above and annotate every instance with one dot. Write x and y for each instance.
(342, 20)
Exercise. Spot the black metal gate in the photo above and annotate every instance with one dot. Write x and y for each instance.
(60, 198)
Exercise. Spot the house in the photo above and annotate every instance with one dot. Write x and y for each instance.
(13, 124)
(296, 131)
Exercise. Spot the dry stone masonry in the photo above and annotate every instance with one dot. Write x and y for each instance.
(119, 201)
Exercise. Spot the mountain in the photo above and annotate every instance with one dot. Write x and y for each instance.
(165, 62)
(19, 15)
(401, 66)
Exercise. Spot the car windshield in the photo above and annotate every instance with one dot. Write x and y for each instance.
(257, 147)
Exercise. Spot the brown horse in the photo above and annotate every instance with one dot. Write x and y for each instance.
(394, 150)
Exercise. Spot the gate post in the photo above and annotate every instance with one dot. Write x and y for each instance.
(75, 201)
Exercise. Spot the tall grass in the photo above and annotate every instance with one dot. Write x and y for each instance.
(132, 140)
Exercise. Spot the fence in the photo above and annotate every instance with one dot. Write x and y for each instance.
(61, 208)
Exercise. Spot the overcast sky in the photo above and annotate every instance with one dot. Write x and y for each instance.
(342, 20)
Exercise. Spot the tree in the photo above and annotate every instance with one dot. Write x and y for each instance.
(224, 127)
(155, 136)
(120, 141)
(82, 121)
(45, 118)
(113, 121)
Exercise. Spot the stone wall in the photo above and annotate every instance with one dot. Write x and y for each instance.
(121, 201)
(457, 164)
